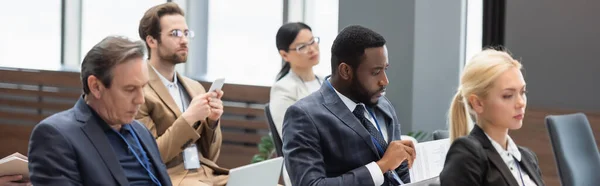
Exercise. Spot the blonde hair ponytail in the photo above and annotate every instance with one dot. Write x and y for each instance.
(458, 117)
(477, 78)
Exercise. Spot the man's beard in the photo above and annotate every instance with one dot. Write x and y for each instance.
(361, 94)
(173, 58)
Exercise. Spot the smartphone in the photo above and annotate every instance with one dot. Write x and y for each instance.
(217, 84)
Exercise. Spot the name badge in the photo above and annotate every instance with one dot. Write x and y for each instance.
(190, 157)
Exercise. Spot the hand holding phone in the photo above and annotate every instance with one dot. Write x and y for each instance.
(217, 85)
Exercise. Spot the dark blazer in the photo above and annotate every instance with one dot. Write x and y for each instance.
(71, 148)
(325, 144)
(472, 160)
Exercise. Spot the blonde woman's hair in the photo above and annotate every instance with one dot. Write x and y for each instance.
(477, 78)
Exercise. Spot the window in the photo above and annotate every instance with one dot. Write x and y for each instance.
(111, 17)
(322, 17)
(474, 29)
(32, 36)
(241, 41)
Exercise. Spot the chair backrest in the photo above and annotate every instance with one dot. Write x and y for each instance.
(276, 138)
(440, 134)
(575, 149)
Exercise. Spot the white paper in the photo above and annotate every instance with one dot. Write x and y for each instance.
(14, 164)
(430, 160)
(427, 182)
(15, 155)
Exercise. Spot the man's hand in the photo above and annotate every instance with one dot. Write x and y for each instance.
(396, 152)
(198, 109)
(216, 107)
(10, 181)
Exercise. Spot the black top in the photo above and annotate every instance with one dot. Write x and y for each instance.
(473, 161)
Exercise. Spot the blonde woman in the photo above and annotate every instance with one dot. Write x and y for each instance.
(493, 90)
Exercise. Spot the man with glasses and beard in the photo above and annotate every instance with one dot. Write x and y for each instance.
(347, 133)
(181, 115)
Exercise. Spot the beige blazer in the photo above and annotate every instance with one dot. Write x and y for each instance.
(173, 134)
(284, 93)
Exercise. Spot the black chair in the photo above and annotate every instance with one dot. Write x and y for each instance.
(440, 134)
(575, 149)
(274, 134)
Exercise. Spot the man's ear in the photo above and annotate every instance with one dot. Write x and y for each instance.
(96, 86)
(152, 43)
(345, 71)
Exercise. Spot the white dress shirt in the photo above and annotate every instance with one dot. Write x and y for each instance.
(177, 92)
(509, 155)
(373, 168)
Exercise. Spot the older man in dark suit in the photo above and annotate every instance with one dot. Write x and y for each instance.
(347, 133)
(97, 142)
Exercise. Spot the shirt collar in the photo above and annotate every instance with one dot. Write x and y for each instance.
(347, 101)
(164, 80)
(511, 147)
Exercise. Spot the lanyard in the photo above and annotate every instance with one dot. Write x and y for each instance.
(379, 146)
(519, 168)
(393, 173)
(375, 119)
(146, 162)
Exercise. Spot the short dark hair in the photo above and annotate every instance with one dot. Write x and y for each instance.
(286, 35)
(150, 23)
(104, 56)
(350, 44)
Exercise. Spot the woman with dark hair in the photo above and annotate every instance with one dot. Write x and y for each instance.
(300, 51)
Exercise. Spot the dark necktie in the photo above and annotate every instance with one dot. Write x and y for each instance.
(359, 112)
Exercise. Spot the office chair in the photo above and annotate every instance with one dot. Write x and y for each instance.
(440, 134)
(574, 148)
(276, 138)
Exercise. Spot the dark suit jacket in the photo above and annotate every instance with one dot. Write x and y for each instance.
(472, 160)
(70, 148)
(325, 144)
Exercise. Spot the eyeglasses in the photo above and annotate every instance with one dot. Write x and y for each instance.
(303, 48)
(179, 33)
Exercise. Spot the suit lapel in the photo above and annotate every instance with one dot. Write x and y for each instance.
(157, 85)
(493, 155)
(187, 86)
(387, 120)
(495, 158)
(334, 104)
(528, 166)
(91, 128)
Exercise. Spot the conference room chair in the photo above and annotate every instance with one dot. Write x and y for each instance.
(575, 149)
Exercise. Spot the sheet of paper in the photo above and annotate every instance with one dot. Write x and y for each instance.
(14, 164)
(426, 182)
(12, 156)
(430, 159)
